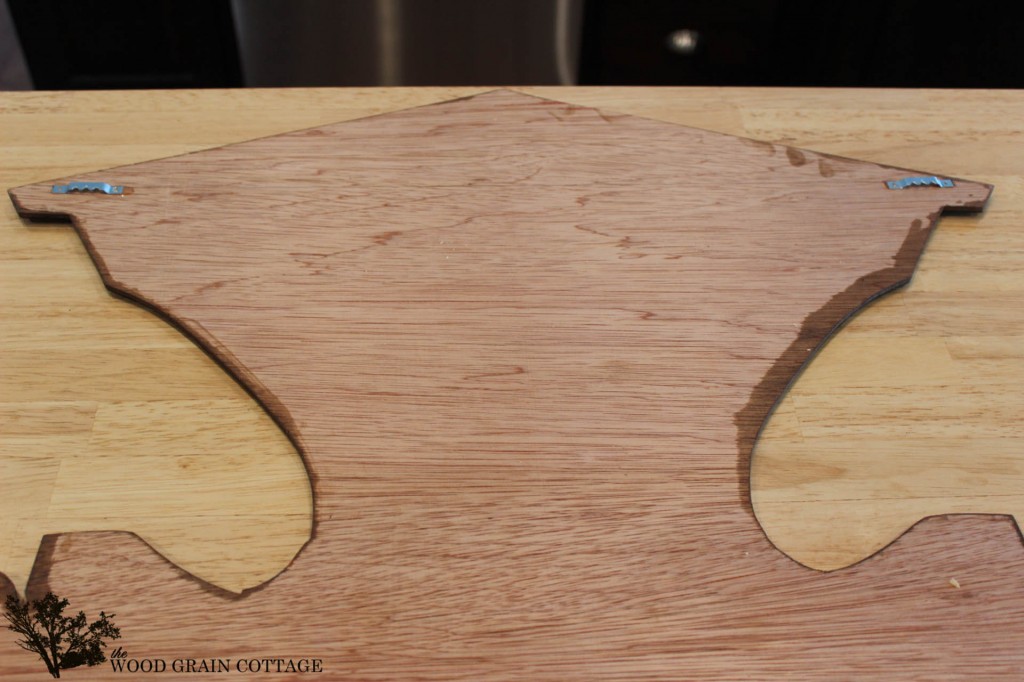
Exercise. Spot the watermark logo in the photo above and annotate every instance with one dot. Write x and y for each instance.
(61, 641)
(120, 662)
(65, 641)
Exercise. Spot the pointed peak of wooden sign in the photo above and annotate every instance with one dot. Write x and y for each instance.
(460, 118)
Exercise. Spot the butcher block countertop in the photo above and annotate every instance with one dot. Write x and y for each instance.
(109, 416)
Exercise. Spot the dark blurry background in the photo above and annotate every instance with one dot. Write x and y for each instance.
(74, 44)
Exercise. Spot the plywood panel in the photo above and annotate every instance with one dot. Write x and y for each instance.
(525, 348)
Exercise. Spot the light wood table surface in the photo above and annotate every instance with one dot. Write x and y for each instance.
(111, 420)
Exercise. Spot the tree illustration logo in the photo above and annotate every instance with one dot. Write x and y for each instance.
(61, 641)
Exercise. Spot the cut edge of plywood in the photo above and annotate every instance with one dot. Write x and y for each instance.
(814, 334)
(38, 584)
(39, 579)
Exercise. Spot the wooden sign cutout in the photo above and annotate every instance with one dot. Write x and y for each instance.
(525, 348)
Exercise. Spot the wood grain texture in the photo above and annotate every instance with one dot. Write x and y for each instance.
(546, 485)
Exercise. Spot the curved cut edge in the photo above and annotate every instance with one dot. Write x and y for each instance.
(175, 551)
(814, 334)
